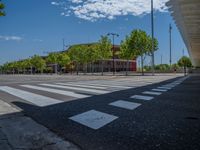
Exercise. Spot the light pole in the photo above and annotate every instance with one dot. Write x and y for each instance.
(113, 49)
(63, 44)
(152, 32)
(170, 44)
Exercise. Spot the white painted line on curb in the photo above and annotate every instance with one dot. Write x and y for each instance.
(151, 93)
(36, 99)
(76, 88)
(93, 119)
(125, 104)
(66, 93)
(142, 97)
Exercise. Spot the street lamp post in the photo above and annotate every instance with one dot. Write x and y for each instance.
(152, 32)
(113, 49)
(170, 44)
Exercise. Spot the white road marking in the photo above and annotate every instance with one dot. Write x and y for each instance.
(84, 86)
(164, 87)
(151, 93)
(125, 104)
(170, 86)
(36, 99)
(111, 86)
(160, 90)
(76, 88)
(67, 93)
(142, 97)
(93, 119)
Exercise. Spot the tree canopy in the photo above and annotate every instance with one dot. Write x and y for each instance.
(185, 62)
(2, 12)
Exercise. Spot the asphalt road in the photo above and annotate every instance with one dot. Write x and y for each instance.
(168, 119)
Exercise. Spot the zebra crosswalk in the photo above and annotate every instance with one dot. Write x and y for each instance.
(34, 94)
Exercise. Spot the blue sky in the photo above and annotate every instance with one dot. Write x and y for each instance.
(38, 26)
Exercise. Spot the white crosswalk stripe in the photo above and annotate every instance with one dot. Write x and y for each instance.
(109, 86)
(76, 88)
(83, 86)
(66, 93)
(36, 99)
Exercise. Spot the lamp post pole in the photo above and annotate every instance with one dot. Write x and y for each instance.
(152, 32)
(170, 44)
(113, 49)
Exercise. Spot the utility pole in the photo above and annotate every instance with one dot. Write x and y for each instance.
(152, 32)
(63, 44)
(170, 44)
(161, 60)
(183, 52)
(113, 49)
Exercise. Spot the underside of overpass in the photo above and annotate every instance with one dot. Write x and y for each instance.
(186, 14)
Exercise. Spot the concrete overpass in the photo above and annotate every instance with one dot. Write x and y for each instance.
(186, 14)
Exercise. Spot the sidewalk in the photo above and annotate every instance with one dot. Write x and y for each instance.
(18, 132)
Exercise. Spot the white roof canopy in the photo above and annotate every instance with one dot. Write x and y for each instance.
(186, 14)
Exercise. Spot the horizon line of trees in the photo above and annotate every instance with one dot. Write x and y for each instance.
(137, 44)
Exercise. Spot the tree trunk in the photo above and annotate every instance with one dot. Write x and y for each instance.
(31, 70)
(85, 69)
(102, 67)
(185, 71)
(77, 68)
(127, 64)
(142, 64)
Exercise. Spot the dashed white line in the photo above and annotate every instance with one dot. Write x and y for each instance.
(125, 104)
(93, 119)
(160, 90)
(151, 93)
(142, 97)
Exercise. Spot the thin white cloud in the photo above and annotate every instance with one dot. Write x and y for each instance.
(98, 9)
(10, 38)
(38, 40)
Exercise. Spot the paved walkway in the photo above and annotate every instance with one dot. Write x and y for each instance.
(18, 132)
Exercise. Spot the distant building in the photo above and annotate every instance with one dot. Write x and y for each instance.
(120, 64)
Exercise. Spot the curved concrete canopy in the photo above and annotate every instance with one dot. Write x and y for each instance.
(186, 14)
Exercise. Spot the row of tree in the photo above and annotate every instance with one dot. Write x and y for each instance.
(138, 43)
(183, 63)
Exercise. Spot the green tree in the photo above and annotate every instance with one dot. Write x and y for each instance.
(27, 64)
(38, 63)
(93, 55)
(139, 44)
(52, 59)
(75, 55)
(63, 59)
(126, 52)
(104, 50)
(2, 6)
(185, 62)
